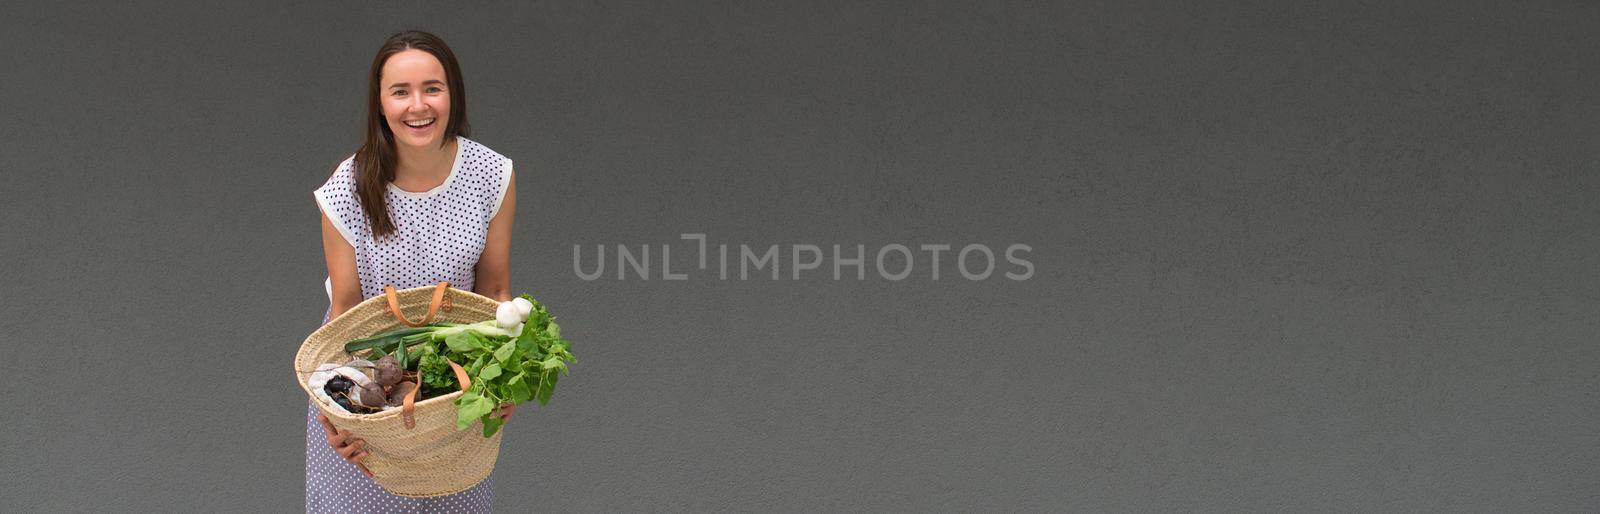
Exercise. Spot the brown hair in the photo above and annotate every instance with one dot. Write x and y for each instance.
(376, 160)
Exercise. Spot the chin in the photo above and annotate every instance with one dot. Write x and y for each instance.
(425, 143)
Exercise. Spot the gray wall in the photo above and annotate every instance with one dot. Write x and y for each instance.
(1328, 256)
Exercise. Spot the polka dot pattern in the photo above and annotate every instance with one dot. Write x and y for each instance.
(439, 235)
(333, 485)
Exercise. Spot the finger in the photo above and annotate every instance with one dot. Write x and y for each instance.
(348, 448)
(337, 439)
(343, 436)
(327, 426)
(352, 454)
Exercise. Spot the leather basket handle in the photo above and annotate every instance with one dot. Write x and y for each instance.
(440, 301)
(409, 408)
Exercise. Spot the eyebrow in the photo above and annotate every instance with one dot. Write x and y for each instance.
(392, 86)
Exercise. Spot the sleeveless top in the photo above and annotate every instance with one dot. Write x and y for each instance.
(439, 233)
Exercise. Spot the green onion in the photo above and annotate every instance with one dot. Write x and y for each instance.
(392, 341)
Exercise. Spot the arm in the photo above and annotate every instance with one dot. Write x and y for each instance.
(341, 259)
(492, 276)
(346, 284)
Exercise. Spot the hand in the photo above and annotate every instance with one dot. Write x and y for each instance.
(504, 412)
(349, 447)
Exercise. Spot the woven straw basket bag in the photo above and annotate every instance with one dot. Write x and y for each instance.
(416, 450)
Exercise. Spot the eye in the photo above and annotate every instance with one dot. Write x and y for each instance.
(398, 92)
(435, 89)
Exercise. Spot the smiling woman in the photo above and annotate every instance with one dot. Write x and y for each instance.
(417, 204)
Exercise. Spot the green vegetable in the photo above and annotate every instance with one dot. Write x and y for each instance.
(387, 340)
(435, 371)
(395, 341)
(504, 366)
(503, 370)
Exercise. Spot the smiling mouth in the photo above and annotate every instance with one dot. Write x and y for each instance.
(421, 123)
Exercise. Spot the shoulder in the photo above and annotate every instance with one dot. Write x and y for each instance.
(488, 173)
(482, 160)
(337, 199)
(342, 180)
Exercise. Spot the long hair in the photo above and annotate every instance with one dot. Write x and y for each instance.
(376, 160)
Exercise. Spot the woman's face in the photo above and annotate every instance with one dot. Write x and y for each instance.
(415, 93)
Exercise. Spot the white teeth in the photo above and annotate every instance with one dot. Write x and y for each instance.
(419, 123)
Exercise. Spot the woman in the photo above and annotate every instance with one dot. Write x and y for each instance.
(416, 204)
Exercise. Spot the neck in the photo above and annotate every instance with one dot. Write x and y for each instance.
(425, 163)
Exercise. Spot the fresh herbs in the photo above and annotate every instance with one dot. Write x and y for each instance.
(507, 370)
(504, 366)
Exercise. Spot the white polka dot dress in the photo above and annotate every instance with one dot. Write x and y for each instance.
(439, 235)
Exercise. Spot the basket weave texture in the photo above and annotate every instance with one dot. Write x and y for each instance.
(433, 458)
